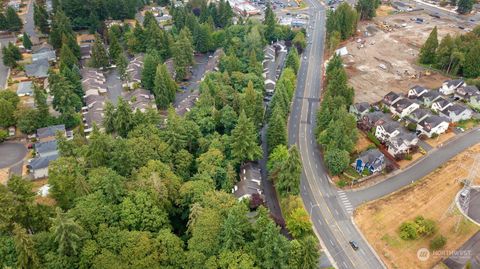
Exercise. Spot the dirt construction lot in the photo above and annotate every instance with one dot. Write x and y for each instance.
(382, 57)
(431, 197)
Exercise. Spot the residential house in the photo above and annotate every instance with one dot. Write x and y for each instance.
(450, 86)
(403, 107)
(429, 97)
(134, 71)
(38, 167)
(440, 104)
(474, 102)
(250, 181)
(416, 91)
(45, 54)
(92, 79)
(387, 130)
(44, 149)
(186, 104)
(140, 100)
(25, 88)
(49, 133)
(433, 124)
(402, 143)
(373, 160)
(85, 51)
(359, 109)
(391, 98)
(37, 69)
(93, 112)
(464, 93)
(457, 113)
(418, 115)
(372, 119)
(85, 39)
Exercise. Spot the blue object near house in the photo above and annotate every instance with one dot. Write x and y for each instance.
(372, 159)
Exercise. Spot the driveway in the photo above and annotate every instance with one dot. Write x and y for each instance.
(114, 85)
(198, 70)
(11, 153)
(29, 24)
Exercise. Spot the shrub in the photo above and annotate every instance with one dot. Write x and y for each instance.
(409, 230)
(438, 242)
(425, 226)
(342, 183)
(412, 127)
(434, 135)
(373, 138)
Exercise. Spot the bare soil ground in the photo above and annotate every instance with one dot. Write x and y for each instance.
(435, 142)
(405, 163)
(387, 60)
(362, 143)
(431, 197)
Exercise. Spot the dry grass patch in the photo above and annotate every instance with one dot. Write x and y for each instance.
(362, 143)
(431, 197)
(438, 141)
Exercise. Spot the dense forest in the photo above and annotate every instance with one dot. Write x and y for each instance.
(154, 191)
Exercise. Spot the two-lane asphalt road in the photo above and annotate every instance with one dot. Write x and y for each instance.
(332, 223)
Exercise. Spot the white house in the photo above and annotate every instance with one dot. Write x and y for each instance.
(416, 91)
(418, 115)
(359, 109)
(387, 130)
(433, 125)
(457, 113)
(429, 97)
(403, 107)
(464, 93)
(450, 86)
(401, 143)
(440, 104)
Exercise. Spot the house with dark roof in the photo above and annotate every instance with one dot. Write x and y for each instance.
(49, 55)
(387, 130)
(186, 104)
(49, 133)
(38, 167)
(37, 69)
(432, 125)
(25, 88)
(402, 143)
(373, 160)
(85, 51)
(140, 100)
(416, 91)
(92, 112)
(134, 71)
(391, 98)
(44, 149)
(429, 97)
(372, 119)
(418, 115)
(359, 109)
(440, 104)
(250, 181)
(449, 86)
(456, 113)
(403, 107)
(464, 93)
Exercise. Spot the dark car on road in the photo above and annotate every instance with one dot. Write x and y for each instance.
(353, 244)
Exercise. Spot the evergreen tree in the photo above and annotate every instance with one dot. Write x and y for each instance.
(114, 49)
(11, 54)
(471, 66)
(293, 60)
(277, 130)
(336, 160)
(428, 50)
(3, 22)
(203, 38)
(61, 27)
(40, 96)
(99, 54)
(164, 87)
(25, 249)
(14, 23)
(121, 62)
(123, 120)
(67, 58)
(40, 18)
(270, 22)
(150, 63)
(183, 54)
(7, 109)
(244, 140)
(109, 118)
(27, 43)
(67, 234)
(253, 105)
(366, 9)
(465, 6)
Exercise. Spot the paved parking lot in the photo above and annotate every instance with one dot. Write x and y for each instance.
(11, 153)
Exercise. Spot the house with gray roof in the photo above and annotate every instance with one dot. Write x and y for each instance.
(416, 91)
(37, 69)
(373, 119)
(418, 115)
(391, 98)
(49, 55)
(49, 133)
(213, 61)
(387, 130)
(429, 97)
(373, 160)
(92, 112)
(38, 167)
(134, 71)
(440, 104)
(140, 100)
(250, 181)
(433, 125)
(44, 149)
(402, 143)
(403, 107)
(456, 113)
(449, 86)
(25, 88)
(464, 93)
(359, 109)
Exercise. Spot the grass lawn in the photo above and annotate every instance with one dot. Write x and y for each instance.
(430, 197)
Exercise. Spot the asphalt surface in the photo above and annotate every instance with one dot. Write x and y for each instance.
(198, 70)
(4, 70)
(29, 24)
(11, 153)
(114, 85)
(474, 205)
(331, 222)
(470, 251)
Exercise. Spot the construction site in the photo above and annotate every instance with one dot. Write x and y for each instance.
(383, 55)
